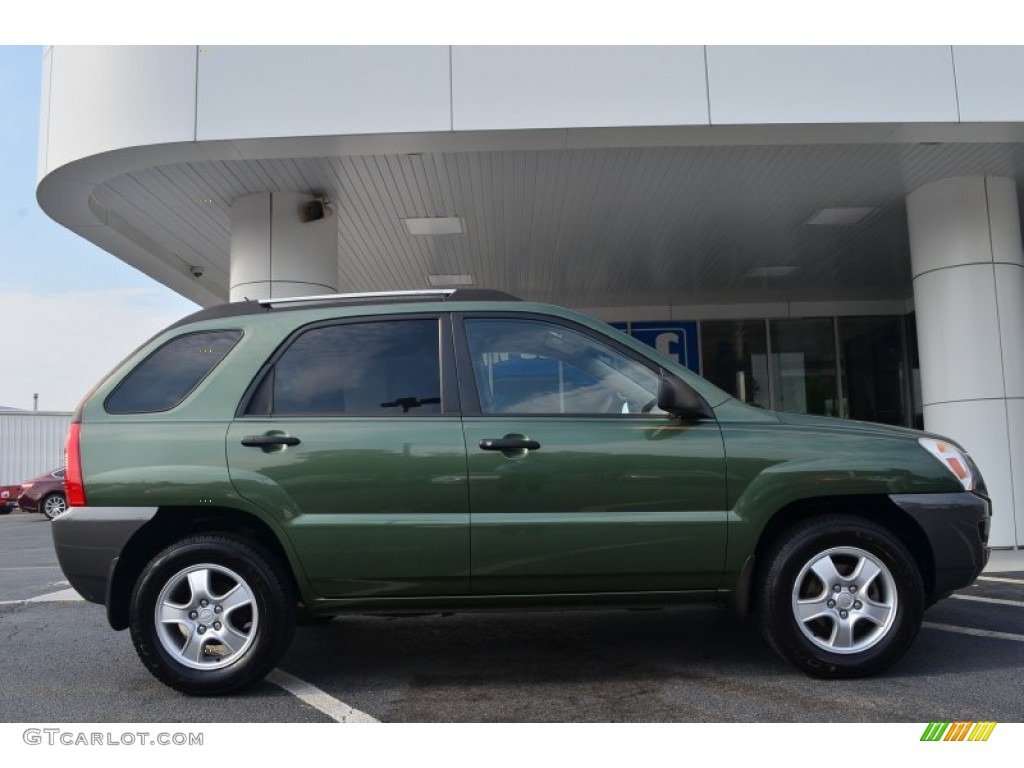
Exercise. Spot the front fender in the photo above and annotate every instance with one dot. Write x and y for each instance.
(771, 467)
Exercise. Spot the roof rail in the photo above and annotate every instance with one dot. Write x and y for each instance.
(426, 293)
(442, 294)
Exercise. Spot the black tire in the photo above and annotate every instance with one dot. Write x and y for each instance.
(53, 504)
(861, 628)
(258, 617)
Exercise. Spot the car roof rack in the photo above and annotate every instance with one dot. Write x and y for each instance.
(440, 294)
(251, 307)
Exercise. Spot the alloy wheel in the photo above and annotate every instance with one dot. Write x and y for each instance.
(206, 616)
(845, 600)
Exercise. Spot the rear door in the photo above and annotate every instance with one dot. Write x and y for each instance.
(352, 434)
(578, 483)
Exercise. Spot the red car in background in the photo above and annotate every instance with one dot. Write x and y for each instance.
(9, 497)
(45, 494)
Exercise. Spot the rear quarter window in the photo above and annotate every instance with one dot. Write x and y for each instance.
(171, 372)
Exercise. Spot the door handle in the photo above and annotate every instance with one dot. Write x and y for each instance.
(262, 441)
(508, 444)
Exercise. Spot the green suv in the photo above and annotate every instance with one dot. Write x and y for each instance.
(463, 450)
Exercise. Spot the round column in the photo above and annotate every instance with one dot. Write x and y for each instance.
(968, 271)
(277, 251)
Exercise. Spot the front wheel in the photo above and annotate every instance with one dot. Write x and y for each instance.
(840, 597)
(53, 505)
(212, 614)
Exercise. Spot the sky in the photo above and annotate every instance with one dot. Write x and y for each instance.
(69, 311)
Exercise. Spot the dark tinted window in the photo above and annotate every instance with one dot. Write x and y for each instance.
(165, 378)
(386, 368)
(734, 356)
(803, 365)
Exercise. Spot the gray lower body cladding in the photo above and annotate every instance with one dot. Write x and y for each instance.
(957, 527)
(89, 541)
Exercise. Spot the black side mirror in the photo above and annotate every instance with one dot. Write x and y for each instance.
(678, 398)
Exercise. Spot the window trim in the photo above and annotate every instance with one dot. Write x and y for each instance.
(469, 393)
(446, 367)
(193, 388)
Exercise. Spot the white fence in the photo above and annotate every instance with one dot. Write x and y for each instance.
(31, 443)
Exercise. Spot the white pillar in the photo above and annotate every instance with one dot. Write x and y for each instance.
(274, 253)
(968, 270)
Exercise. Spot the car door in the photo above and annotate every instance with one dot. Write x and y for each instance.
(578, 483)
(351, 435)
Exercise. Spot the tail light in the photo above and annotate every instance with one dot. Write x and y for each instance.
(74, 489)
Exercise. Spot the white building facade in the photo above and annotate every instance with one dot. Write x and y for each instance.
(830, 230)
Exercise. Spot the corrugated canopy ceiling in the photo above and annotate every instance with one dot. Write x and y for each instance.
(586, 227)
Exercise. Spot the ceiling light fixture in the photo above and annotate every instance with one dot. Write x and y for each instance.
(434, 225)
(838, 217)
(450, 281)
(779, 271)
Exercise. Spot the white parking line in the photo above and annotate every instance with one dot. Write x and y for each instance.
(334, 708)
(975, 632)
(993, 600)
(62, 596)
(1001, 579)
(30, 568)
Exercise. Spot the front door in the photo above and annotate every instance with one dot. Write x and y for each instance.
(578, 483)
(352, 440)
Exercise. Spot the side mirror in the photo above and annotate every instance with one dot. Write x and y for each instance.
(678, 398)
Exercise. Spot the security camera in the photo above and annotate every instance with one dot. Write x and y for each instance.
(312, 211)
(196, 271)
(315, 210)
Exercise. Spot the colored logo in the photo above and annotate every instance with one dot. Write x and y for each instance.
(960, 731)
(677, 340)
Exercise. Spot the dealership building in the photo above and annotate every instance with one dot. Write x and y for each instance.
(828, 230)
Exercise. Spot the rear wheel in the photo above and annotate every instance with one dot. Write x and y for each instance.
(840, 596)
(212, 614)
(53, 504)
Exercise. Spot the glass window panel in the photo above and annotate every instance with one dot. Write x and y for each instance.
(530, 366)
(386, 368)
(168, 375)
(803, 364)
(734, 356)
(874, 379)
(917, 420)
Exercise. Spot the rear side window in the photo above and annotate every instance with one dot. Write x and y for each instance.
(169, 374)
(380, 368)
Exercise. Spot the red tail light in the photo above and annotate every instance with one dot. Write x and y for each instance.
(73, 487)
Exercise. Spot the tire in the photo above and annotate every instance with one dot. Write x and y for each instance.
(860, 629)
(228, 614)
(53, 504)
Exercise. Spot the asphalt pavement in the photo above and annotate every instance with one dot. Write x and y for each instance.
(60, 662)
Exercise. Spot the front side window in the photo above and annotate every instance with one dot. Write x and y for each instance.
(381, 368)
(168, 375)
(537, 367)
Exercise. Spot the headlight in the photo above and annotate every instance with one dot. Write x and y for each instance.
(952, 459)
